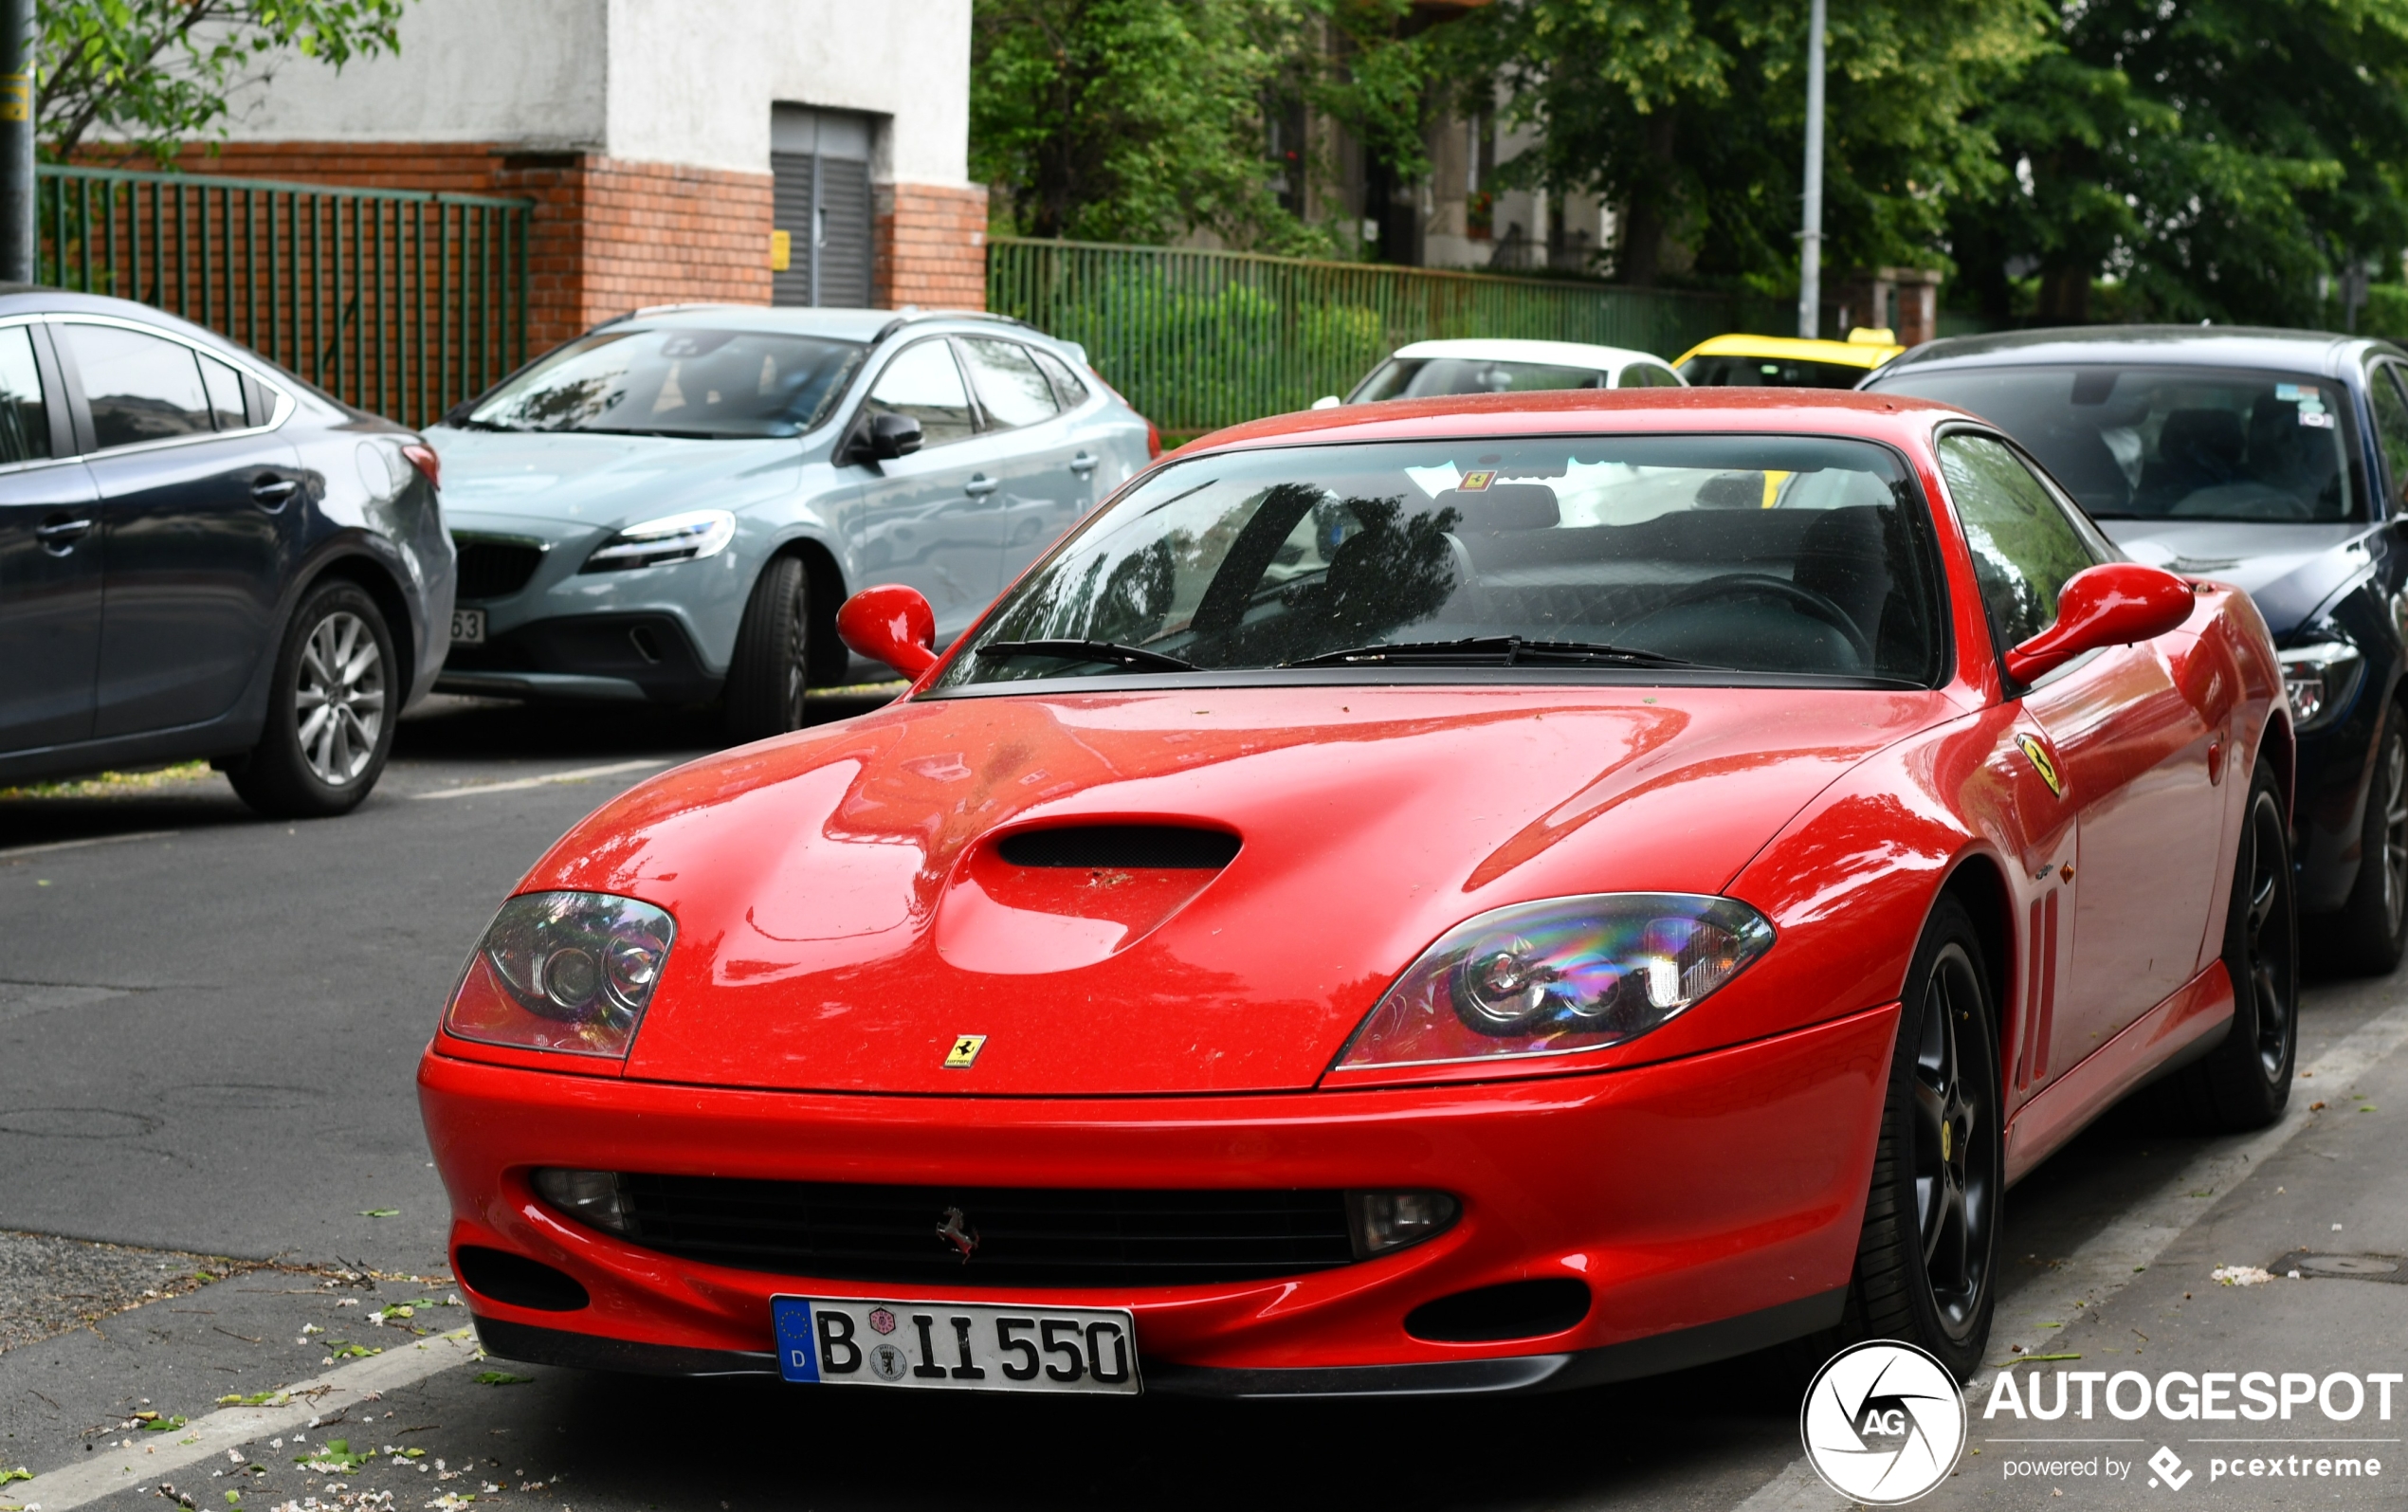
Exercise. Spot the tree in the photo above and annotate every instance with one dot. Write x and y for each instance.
(154, 74)
(1690, 116)
(2215, 156)
(1126, 119)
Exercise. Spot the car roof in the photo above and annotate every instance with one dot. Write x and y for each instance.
(1506, 348)
(1623, 412)
(2223, 346)
(1845, 353)
(835, 323)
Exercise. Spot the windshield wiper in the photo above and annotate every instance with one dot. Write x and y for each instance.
(1500, 650)
(1135, 658)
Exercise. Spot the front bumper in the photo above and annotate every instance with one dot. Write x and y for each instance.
(1711, 1205)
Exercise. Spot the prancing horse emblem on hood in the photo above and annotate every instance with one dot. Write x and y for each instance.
(957, 1231)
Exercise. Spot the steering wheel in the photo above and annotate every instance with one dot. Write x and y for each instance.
(1765, 585)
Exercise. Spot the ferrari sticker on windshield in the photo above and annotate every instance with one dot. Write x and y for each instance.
(2041, 762)
(1474, 481)
(964, 1054)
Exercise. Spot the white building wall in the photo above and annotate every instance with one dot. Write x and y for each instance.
(527, 72)
(644, 80)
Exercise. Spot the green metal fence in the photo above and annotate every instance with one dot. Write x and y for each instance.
(1201, 339)
(401, 302)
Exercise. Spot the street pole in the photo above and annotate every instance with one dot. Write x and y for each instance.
(16, 141)
(1810, 241)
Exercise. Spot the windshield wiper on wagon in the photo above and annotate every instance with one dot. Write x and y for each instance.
(1499, 650)
(1135, 658)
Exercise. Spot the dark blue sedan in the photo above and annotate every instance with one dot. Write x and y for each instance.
(2276, 461)
(203, 556)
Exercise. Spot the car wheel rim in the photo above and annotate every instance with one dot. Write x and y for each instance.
(797, 669)
(1956, 1179)
(2269, 945)
(339, 705)
(2394, 810)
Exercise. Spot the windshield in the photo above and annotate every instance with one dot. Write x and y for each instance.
(2193, 443)
(1432, 377)
(1769, 372)
(710, 384)
(1752, 554)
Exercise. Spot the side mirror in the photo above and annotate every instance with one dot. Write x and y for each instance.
(892, 624)
(1327, 401)
(2112, 604)
(880, 437)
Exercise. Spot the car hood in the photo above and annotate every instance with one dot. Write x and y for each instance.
(844, 914)
(588, 481)
(2288, 570)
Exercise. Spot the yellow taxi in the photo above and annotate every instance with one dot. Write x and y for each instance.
(1786, 362)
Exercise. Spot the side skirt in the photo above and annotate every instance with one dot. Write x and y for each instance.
(2198, 1009)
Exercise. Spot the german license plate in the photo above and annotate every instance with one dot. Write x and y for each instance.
(955, 1346)
(468, 627)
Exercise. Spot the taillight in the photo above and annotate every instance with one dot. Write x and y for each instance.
(1153, 442)
(423, 458)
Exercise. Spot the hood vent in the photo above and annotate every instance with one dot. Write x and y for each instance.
(1120, 847)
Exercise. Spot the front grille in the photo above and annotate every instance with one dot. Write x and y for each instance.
(842, 1232)
(495, 569)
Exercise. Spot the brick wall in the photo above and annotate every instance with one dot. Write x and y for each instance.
(609, 235)
(930, 246)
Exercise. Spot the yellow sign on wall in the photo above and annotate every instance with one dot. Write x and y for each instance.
(781, 251)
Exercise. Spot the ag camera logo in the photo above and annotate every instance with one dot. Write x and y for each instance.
(1883, 1422)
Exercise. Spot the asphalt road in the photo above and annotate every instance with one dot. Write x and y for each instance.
(211, 1174)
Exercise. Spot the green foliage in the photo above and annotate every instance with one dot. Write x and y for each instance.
(152, 74)
(2214, 156)
(1134, 120)
(1690, 114)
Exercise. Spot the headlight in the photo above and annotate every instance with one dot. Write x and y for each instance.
(686, 537)
(2319, 678)
(1569, 974)
(563, 971)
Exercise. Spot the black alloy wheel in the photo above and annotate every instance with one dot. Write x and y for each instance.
(1926, 1262)
(2245, 1081)
(771, 670)
(331, 710)
(2370, 933)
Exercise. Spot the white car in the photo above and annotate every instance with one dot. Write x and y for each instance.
(1427, 370)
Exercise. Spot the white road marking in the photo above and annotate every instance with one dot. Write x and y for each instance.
(20, 852)
(2107, 1261)
(229, 1427)
(521, 784)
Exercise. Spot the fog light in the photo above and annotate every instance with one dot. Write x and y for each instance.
(589, 1196)
(1384, 1221)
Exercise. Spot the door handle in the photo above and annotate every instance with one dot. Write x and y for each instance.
(1082, 463)
(59, 534)
(980, 485)
(273, 493)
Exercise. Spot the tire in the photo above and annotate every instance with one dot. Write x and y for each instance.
(2370, 932)
(2245, 1083)
(1927, 1263)
(331, 713)
(771, 665)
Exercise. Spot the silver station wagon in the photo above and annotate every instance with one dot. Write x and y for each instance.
(671, 507)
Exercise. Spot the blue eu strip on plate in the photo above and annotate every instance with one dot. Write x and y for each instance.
(797, 1352)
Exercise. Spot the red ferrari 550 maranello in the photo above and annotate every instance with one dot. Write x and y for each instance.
(1439, 896)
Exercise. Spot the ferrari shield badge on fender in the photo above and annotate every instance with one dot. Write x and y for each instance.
(964, 1054)
(2041, 762)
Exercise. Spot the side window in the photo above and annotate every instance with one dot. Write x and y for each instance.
(2024, 547)
(1660, 377)
(25, 419)
(1066, 386)
(2390, 428)
(923, 382)
(225, 387)
(1010, 389)
(140, 388)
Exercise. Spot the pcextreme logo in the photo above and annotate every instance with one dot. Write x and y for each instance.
(1883, 1422)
